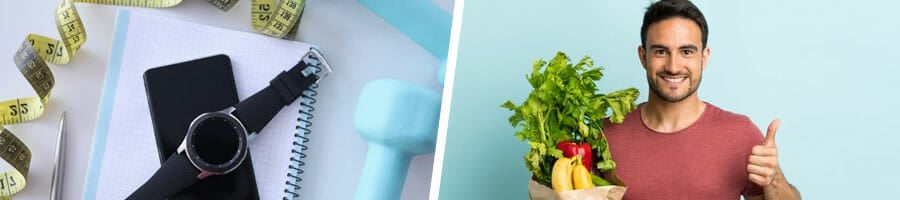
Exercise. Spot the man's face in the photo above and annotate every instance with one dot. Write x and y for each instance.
(674, 58)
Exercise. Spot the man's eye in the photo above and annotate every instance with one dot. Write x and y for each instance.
(660, 52)
(687, 52)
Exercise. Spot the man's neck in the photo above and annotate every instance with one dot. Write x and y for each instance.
(668, 117)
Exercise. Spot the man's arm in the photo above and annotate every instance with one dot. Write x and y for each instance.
(778, 189)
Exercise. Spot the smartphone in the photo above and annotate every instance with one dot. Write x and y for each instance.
(178, 93)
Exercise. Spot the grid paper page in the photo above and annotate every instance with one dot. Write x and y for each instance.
(130, 155)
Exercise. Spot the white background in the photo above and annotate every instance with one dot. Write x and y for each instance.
(358, 44)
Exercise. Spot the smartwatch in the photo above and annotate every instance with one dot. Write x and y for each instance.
(217, 142)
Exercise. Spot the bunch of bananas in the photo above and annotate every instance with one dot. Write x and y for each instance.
(569, 173)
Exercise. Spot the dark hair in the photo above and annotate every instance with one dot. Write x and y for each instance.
(666, 9)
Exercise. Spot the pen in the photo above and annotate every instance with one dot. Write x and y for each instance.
(59, 165)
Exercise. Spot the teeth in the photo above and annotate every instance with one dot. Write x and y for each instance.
(675, 79)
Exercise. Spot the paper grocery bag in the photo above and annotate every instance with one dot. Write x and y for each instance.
(536, 191)
(610, 192)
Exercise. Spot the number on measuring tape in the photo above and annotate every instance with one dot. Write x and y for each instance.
(277, 20)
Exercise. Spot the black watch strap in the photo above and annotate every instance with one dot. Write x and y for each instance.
(257, 110)
(175, 175)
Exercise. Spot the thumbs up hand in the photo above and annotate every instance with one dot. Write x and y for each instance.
(763, 166)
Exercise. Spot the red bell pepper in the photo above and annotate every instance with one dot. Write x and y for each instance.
(583, 149)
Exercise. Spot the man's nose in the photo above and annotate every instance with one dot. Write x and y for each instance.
(672, 64)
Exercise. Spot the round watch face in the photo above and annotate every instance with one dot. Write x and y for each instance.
(216, 142)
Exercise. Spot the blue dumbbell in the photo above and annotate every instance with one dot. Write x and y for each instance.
(399, 120)
(420, 20)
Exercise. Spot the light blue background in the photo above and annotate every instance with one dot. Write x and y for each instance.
(827, 69)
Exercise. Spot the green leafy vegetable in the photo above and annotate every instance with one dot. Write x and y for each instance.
(564, 106)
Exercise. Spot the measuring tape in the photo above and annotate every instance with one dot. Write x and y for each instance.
(281, 22)
(267, 17)
(12, 150)
(16, 154)
(276, 20)
(38, 74)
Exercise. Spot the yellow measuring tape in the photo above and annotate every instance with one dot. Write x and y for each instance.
(276, 20)
(12, 150)
(16, 154)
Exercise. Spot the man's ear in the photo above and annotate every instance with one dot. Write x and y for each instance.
(706, 52)
(642, 55)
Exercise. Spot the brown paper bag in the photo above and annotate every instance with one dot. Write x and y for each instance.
(536, 191)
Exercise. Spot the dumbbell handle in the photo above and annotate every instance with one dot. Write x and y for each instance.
(383, 174)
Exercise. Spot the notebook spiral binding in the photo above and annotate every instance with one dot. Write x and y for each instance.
(318, 66)
(303, 124)
(301, 138)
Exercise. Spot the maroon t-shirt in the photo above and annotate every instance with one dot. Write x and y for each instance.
(706, 160)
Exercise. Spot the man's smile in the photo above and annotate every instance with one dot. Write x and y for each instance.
(673, 80)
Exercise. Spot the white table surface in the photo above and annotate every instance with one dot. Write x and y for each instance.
(361, 47)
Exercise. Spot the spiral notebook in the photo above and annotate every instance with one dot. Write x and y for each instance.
(124, 152)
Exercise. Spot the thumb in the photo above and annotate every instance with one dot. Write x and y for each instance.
(770, 133)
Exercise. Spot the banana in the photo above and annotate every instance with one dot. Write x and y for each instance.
(581, 177)
(561, 176)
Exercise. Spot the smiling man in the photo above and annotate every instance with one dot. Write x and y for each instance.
(676, 146)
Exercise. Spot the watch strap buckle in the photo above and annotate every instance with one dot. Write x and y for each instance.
(320, 66)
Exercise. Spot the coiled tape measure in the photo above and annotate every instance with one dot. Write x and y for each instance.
(12, 150)
(276, 20)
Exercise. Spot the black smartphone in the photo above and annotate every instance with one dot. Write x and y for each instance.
(178, 93)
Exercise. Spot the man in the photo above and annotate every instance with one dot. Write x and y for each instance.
(676, 146)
